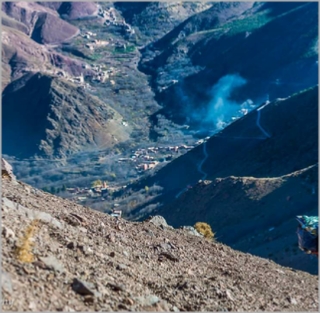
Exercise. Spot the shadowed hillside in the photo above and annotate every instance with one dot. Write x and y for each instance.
(55, 118)
(254, 215)
(272, 47)
(242, 149)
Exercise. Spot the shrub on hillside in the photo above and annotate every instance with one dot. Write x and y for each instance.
(24, 251)
(204, 229)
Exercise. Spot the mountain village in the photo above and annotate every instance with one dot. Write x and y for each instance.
(143, 160)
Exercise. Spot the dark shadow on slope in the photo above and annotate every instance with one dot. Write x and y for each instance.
(24, 115)
(129, 9)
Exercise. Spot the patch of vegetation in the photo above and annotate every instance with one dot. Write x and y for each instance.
(126, 49)
(24, 250)
(95, 56)
(247, 24)
(205, 230)
(97, 182)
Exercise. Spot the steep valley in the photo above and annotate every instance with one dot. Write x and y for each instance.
(195, 111)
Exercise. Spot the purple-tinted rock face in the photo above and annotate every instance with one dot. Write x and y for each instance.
(43, 22)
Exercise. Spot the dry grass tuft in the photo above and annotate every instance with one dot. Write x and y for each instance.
(24, 250)
(205, 230)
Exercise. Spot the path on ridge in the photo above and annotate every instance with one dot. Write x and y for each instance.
(205, 152)
(199, 168)
(258, 122)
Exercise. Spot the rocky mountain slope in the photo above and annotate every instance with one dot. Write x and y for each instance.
(153, 20)
(58, 255)
(39, 22)
(50, 39)
(58, 121)
(92, 83)
(255, 215)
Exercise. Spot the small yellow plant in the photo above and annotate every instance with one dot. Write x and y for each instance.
(24, 250)
(97, 183)
(204, 229)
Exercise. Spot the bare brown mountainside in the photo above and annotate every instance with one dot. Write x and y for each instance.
(27, 56)
(40, 22)
(35, 29)
(84, 260)
(56, 118)
(73, 10)
(38, 31)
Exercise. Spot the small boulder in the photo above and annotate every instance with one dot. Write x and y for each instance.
(148, 300)
(84, 288)
(6, 282)
(159, 221)
(191, 230)
(7, 232)
(121, 267)
(53, 264)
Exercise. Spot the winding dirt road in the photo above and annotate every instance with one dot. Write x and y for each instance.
(258, 122)
(199, 167)
(206, 155)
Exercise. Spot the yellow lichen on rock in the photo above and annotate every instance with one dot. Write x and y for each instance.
(24, 250)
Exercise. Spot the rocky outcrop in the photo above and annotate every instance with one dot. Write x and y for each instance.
(159, 221)
(6, 170)
(191, 230)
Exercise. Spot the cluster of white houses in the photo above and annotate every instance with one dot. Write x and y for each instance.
(144, 159)
(148, 158)
(110, 18)
(99, 190)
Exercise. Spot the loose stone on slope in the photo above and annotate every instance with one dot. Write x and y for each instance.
(52, 263)
(83, 288)
(121, 267)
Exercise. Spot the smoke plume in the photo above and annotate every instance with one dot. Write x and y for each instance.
(221, 109)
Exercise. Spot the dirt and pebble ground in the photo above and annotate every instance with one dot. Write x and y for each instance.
(86, 260)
